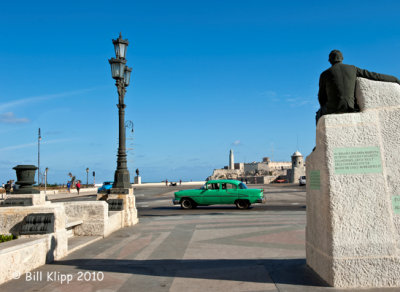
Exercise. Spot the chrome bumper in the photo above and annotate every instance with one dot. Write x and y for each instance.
(175, 202)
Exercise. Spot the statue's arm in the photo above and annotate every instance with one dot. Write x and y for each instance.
(376, 76)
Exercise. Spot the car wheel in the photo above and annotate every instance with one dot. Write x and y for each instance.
(242, 204)
(187, 204)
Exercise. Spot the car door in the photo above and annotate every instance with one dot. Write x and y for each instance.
(228, 193)
(211, 194)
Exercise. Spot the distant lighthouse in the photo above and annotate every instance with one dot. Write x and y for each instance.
(231, 161)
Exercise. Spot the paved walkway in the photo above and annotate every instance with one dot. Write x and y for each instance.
(64, 195)
(246, 251)
(221, 249)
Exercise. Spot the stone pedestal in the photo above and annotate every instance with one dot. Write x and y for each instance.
(25, 199)
(122, 200)
(353, 192)
(12, 218)
(129, 211)
(138, 180)
(120, 191)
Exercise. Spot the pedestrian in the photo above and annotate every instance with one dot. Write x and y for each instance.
(246, 181)
(166, 182)
(69, 186)
(78, 186)
(8, 187)
(72, 179)
(180, 182)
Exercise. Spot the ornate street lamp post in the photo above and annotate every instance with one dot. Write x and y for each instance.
(121, 74)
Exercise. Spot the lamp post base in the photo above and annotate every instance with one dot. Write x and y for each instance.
(127, 204)
(121, 179)
(122, 200)
(120, 191)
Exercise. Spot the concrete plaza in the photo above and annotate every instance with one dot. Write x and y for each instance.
(208, 249)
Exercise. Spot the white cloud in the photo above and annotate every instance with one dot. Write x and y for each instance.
(24, 101)
(269, 93)
(10, 118)
(291, 100)
(295, 102)
(236, 143)
(32, 144)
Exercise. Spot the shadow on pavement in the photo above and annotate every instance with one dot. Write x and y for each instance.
(268, 191)
(233, 208)
(279, 271)
(210, 210)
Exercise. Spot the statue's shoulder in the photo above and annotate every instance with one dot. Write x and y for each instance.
(344, 67)
(352, 67)
(326, 73)
(341, 68)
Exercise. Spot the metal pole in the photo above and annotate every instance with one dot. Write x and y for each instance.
(45, 181)
(39, 138)
(121, 177)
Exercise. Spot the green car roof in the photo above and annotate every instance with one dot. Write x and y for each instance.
(232, 181)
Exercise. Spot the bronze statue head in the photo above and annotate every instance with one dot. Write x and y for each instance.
(335, 57)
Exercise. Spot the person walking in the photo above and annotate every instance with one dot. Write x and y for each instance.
(7, 187)
(69, 186)
(78, 186)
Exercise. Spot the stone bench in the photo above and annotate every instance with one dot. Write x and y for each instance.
(70, 225)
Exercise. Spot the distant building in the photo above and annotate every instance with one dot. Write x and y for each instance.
(298, 168)
(254, 172)
(231, 160)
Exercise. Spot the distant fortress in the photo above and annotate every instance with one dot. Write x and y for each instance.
(262, 172)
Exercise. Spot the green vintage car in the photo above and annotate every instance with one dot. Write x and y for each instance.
(216, 192)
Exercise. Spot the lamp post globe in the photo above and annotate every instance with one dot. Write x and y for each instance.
(120, 46)
(121, 73)
(127, 75)
(117, 68)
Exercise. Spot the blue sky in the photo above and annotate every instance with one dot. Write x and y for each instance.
(208, 76)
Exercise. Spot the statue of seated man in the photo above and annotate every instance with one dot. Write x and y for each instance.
(337, 86)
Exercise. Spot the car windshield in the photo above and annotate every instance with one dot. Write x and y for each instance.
(107, 183)
(242, 186)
